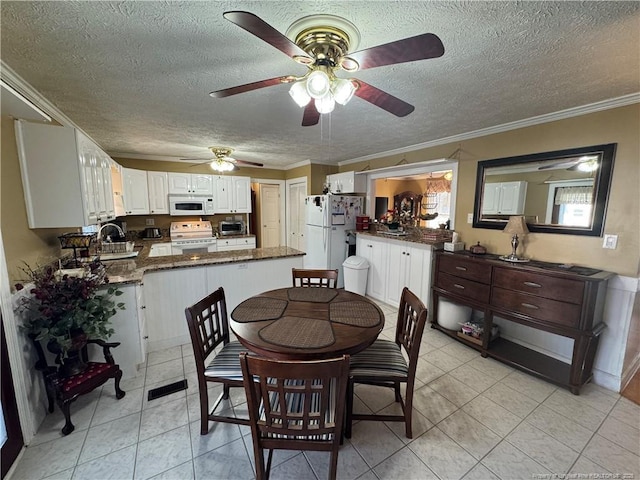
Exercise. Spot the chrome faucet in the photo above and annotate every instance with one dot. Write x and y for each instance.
(117, 227)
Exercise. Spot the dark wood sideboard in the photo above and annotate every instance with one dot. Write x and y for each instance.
(563, 300)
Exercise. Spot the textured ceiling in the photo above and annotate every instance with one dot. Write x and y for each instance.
(135, 75)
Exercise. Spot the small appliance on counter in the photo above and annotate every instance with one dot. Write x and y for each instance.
(231, 227)
(151, 233)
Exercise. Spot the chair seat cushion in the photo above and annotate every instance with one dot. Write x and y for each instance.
(94, 371)
(226, 364)
(382, 359)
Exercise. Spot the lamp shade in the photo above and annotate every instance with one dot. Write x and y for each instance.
(516, 226)
(298, 92)
(325, 104)
(318, 84)
(343, 90)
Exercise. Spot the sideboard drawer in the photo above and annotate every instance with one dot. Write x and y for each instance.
(461, 286)
(550, 311)
(462, 267)
(562, 289)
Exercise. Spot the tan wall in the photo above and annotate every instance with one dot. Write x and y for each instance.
(21, 244)
(620, 125)
(319, 174)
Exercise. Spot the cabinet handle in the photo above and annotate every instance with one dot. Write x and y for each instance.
(142, 307)
(403, 253)
(464, 269)
(146, 337)
(408, 254)
(534, 285)
(457, 285)
(529, 305)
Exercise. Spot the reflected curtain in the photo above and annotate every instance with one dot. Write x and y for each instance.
(574, 196)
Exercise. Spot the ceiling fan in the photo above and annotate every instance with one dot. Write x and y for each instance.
(587, 163)
(324, 44)
(222, 161)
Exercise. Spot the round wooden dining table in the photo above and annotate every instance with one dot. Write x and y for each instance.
(306, 323)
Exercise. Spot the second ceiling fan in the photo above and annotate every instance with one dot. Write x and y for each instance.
(323, 44)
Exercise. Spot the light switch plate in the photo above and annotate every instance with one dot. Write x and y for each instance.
(610, 241)
(469, 217)
(149, 222)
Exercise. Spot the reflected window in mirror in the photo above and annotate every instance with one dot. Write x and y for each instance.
(564, 191)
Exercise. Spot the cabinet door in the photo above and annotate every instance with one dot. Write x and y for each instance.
(87, 179)
(179, 183)
(418, 275)
(241, 195)
(136, 194)
(377, 279)
(223, 187)
(104, 189)
(158, 183)
(201, 184)
(491, 198)
(512, 197)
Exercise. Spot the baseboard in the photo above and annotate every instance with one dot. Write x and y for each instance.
(154, 346)
(606, 380)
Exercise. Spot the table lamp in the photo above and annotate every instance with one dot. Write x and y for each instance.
(515, 226)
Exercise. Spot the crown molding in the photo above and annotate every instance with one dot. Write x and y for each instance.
(505, 127)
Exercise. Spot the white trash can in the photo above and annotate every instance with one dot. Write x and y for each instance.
(452, 315)
(355, 274)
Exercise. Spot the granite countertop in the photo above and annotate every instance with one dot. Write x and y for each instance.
(132, 270)
(413, 236)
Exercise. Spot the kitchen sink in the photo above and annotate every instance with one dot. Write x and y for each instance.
(117, 250)
(118, 256)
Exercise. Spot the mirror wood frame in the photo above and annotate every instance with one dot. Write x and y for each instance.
(602, 184)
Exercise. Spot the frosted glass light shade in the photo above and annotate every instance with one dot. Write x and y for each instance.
(298, 92)
(221, 166)
(325, 104)
(343, 90)
(318, 84)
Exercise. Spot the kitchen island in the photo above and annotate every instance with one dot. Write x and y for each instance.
(156, 291)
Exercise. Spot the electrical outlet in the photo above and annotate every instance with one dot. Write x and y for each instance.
(149, 222)
(469, 217)
(242, 266)
(610, 241)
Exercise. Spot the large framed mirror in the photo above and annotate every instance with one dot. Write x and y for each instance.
(565, 191)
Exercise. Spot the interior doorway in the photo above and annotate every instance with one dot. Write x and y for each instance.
(269, 215)
(296, 221)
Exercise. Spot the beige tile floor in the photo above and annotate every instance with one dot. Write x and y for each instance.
(474, 418)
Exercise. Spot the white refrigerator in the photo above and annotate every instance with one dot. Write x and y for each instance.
(328, 219)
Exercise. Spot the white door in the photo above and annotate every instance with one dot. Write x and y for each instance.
(269, 215)
(296, 219)
(158, 192)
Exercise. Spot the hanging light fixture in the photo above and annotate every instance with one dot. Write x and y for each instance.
(221, 165)
(324, 88)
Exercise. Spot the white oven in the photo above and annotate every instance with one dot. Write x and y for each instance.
(190, 205)
(191, 238)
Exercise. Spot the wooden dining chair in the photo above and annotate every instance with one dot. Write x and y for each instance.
(314, 278)
(383, 363)
(295, 405)
(209, 328)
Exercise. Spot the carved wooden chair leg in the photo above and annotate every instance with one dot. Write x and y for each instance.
(65, 406)
(396, 388)
(119, 392)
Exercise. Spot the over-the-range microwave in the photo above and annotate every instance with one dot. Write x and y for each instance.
(190, 205)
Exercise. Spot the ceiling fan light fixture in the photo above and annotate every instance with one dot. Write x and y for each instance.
(588, 166)
(342, 89)
(325, 104)
(318, 84)
(298, 92)
(220, 165)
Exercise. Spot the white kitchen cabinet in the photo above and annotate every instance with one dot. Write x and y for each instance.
(375, 251)
(242, 243)
(158, 185)
(232, 194)
(504, 198)
(190, 183)
(409, 265)
(118, 193)
(347, 182)
(136, 191)
(66, 177)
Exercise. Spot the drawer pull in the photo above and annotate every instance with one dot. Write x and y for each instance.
(457, 285)
(529, 305)
(534, 285)
(464, 269)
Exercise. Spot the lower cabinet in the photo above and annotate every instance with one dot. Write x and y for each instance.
(243, 243)
(395, 264)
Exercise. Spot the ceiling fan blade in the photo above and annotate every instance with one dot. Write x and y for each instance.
(420, 47)
(384, 100)
(559, 165)
(311, 115)
(245, 162)
(249, 87)
(261, 29)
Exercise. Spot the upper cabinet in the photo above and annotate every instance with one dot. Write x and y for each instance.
(232, 194)
(136, 193)
(504, 198)
(190, 184)
(347, 182)
(158, 183)
(66, 177)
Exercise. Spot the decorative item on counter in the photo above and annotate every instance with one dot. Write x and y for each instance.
(515, 226)
(77, 241)
(454, 245)
(436, 235)
(477, 249)
(362, 223)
